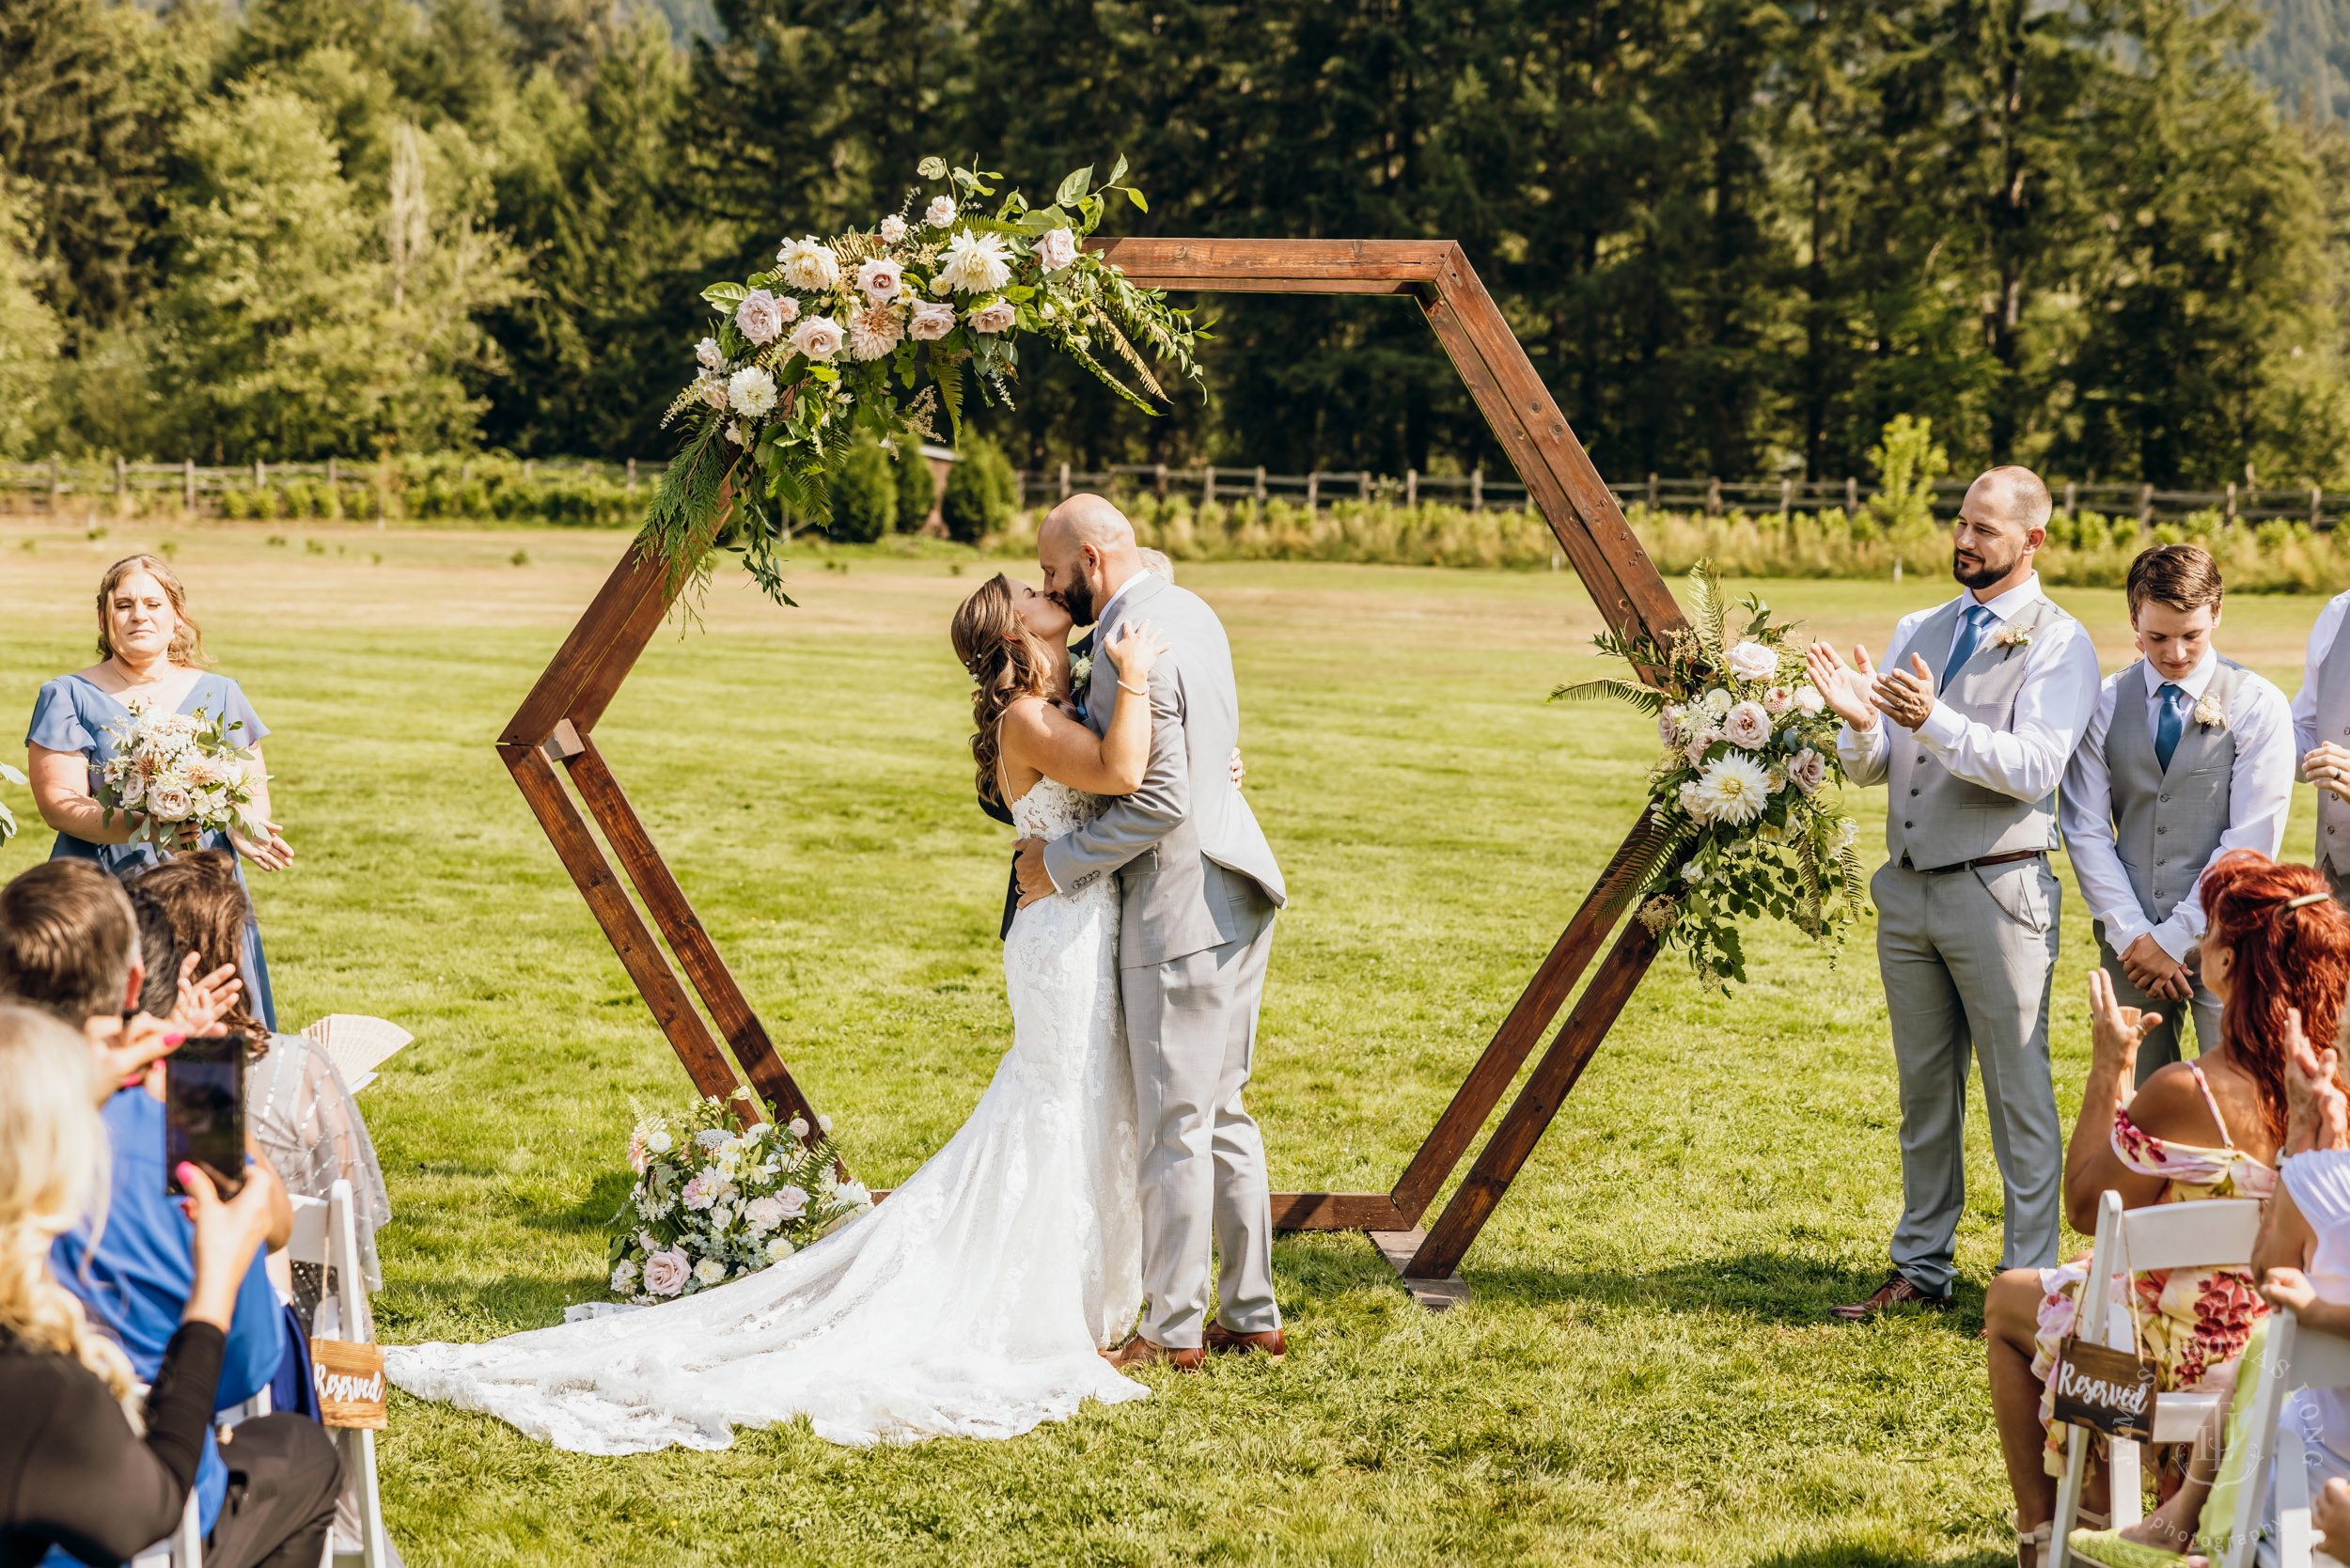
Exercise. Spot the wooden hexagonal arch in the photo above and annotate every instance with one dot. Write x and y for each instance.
(556, 722)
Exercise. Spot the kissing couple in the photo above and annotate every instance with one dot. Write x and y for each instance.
(1000, 1286)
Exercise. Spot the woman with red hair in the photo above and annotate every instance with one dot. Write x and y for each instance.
(2275, 942)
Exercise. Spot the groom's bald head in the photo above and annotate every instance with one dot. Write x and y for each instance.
(1087, 551)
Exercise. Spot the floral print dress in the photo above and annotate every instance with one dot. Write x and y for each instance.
(2194, 1321)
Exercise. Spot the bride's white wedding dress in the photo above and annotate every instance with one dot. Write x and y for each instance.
(972, 1302)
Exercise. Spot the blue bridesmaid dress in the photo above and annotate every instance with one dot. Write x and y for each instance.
(73, 714)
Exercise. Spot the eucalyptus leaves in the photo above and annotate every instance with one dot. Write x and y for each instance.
(884, 331)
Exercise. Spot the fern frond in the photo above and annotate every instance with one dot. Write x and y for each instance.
(947, 375)
(1657, 848)
(687, 505)
(1102, 374)
(1609, 689)
(1126, 351)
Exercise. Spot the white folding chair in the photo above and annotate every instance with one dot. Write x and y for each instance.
(2297, 1357)
(185, 1546)
(2216, 1232)
(325, 1236)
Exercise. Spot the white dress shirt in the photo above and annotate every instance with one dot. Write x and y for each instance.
(2260, 797)
(2027, 761)
(2304, 700)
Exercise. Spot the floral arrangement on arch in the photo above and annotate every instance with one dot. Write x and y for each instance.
(883, 331)
(715, 1201)
(1739, 822)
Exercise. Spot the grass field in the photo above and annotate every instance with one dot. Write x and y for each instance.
(1646, 1373)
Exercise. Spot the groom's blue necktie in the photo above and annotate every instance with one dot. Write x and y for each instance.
(2173, 719)
(1979, 618)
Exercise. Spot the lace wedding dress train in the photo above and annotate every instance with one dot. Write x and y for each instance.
(972, 1302)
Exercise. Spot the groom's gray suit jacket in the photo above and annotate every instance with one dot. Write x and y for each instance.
(1183, 843)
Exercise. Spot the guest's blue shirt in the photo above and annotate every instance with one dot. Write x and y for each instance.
(136, 1283)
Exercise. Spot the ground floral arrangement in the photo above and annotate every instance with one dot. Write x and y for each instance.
(715, 1201)
(180, 776)
(1737, 823)
(879, 331)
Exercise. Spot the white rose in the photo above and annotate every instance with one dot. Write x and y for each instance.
(1753, 661)
(760, 316)
(624, 1278)
(792, 1201)
(751, 390)
(940, 212)
(818, 337)
(1809, 700)
(780, 1249)
(1056, 249)
(721, 1216)
(932, 321)
(706, 354)
(976, 263)
(1746, 725)
(809, 265)
(1808, 769)
(710, 390)
(171, 803)
(995, 318)
(762, 1214)
(709, 1271)
(893, 229)
(1701, 742)
(1717, 701)
(880, 279)
(665, 1273)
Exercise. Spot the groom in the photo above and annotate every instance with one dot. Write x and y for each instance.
(1199, 889)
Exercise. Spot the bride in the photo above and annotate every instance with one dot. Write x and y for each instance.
(976, 1301)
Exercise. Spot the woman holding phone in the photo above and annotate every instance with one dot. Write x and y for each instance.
(150, 650)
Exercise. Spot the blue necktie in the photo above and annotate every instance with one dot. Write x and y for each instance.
(2166, 729)
(1979, 617)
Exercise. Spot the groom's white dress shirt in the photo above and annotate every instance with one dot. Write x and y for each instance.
(1102, 616)
(2260, 797)
(2024, 761)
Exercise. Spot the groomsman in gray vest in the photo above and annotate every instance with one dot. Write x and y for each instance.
(2188, 756)
(1970, 723)
(2321, 733)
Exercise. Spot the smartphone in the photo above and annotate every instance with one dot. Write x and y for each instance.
(204, 1113)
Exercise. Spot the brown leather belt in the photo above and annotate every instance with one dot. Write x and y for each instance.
(1970, 864)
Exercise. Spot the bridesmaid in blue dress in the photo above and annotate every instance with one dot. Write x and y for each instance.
(149, 647)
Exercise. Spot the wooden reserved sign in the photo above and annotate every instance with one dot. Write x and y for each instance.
(2110, 1389)
(350, 1380)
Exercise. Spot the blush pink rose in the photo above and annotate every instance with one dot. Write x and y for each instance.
(665, 1273)
(995, 318)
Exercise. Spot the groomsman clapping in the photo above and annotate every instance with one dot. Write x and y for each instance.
(2188, 756)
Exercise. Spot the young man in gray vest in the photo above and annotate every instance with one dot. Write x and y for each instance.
(2187, 757)
(2321, 735)
(1970, 723)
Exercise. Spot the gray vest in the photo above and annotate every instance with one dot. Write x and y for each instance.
(1937, 818)
(2167, 823)
(2333, 724)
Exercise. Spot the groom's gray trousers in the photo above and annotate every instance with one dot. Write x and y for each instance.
(1966, 958)
(1191, 1028)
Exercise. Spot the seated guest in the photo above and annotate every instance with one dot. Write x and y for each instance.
(193, 908)
(75, 1476)
(68, 946)
(2273, 944)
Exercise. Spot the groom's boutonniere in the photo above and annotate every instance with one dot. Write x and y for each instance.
(2211, 709)
(1080, 671)
(2010, 634)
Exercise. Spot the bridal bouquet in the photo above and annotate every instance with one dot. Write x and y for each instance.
(1738, 824)
(879, 331)
(182, 775)
(714, 1201)
(8, 818)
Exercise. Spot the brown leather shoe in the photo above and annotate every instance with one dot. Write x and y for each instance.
(1138, 1353)
(1225, 1341)
(1895, 1291)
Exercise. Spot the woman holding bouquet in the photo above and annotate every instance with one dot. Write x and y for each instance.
(151, 654)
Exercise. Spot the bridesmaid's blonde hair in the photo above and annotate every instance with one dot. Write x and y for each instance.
(53, 1173)
(187, 638)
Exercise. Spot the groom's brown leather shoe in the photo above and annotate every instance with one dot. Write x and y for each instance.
(1138, 1353)
(1895, 1291)
(1226, 1341)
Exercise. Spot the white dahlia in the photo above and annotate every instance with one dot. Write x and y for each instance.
(976, 263)
(1734, 789)
(809, 265)
(751, 390)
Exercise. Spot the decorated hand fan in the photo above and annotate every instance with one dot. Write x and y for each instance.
(357, 1045)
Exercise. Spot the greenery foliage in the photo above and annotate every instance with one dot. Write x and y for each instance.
(864, 495)
(917, 487)
(981, 490)
(1736, 238)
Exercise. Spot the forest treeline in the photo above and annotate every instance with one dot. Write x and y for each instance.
(1736, 236)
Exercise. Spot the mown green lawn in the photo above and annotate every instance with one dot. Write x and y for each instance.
(1645, 1374)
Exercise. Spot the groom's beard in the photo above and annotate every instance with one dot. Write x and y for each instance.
(1077, 599)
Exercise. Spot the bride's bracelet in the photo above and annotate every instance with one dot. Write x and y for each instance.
(1139, 691)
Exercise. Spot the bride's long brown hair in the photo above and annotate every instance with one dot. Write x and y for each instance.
(1007, 663)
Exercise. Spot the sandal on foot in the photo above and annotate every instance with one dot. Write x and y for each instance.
(2035, 1539)
(2110, 1548)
